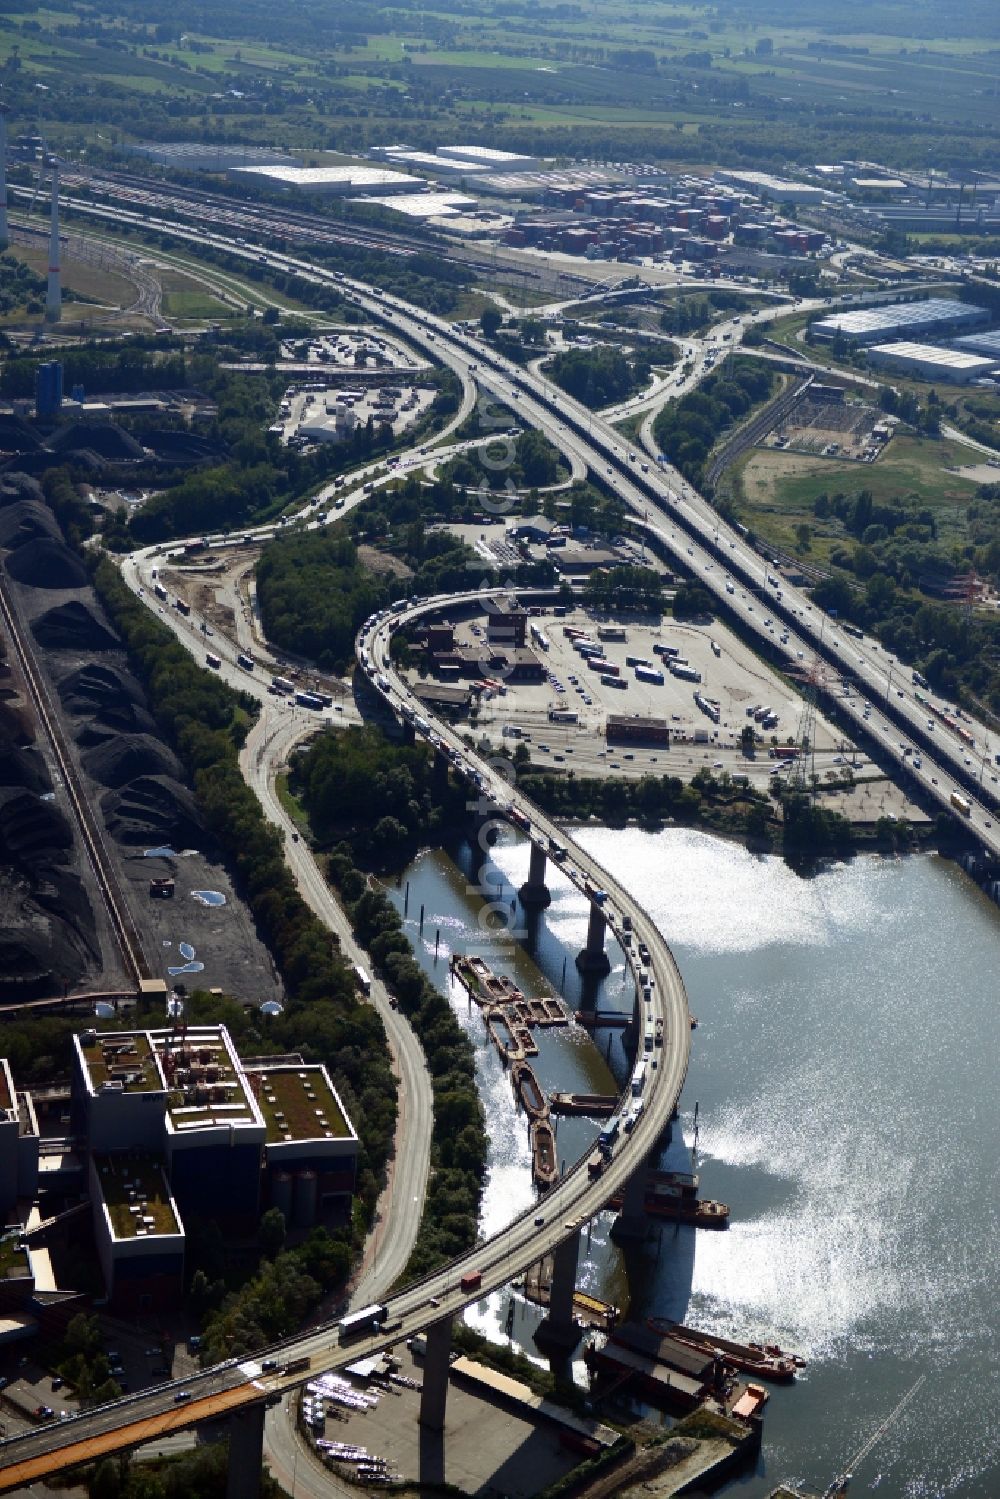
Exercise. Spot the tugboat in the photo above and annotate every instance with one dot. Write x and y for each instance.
(544, 1167)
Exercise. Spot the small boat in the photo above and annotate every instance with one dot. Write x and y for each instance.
(544, 1166)
(526, 1088)
(539, 1014)
(674, 1195)
(556, 1012)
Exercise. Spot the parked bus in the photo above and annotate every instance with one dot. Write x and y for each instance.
(282, 685)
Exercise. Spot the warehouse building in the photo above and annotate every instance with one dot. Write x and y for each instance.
(775, 189)
(987, 343)
(328, 182)
(485, 159)
(871, 325)
(425, 161)
(194, 156)
(631, 729)
(928, 362)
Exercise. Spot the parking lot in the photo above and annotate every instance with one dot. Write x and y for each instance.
(350, 349)
(731, 676)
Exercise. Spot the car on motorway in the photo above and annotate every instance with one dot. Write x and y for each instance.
(182, 1396)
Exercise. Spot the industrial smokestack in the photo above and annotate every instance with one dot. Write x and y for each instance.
(53, 296)
(4, 237)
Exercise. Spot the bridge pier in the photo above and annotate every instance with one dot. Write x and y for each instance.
(593, 958)
(246, 1452)
(631, 1222)
(559, 1331)
(434, 1395)
(534, 891)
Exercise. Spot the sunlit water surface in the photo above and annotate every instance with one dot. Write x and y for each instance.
(845, 1068)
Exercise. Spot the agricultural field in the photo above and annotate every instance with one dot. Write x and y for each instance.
(682, 83)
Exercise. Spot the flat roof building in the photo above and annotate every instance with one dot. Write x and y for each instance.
(485, 159)
(195, 156)
(329, 181)
(987, 343)
(931, 363)
(870, 325)
(138, 1232)
(775, 189)
(631, 729)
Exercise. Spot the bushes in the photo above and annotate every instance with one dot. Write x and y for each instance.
(687, 429)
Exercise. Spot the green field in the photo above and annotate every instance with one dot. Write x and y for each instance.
(775, 492)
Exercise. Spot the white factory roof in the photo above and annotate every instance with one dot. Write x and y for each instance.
(426, 162)
(774, 187)
(424, 205)
(980, 343)
(485, 156)
(359, 177)
(902, 315)
(930, 354)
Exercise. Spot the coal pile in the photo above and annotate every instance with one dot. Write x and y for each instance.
(108, 441)
(46, 563)
(73, 626)
(128, 757)
(153, 810)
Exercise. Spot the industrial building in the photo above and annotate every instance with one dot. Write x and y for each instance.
(871, 325)
(928, 362)
(424, 161)
(987, 343)
(425, 205)
(193, 156)
(775, 189)
(485, 159)
(172, 1124)
(328, 181)
(631, 729)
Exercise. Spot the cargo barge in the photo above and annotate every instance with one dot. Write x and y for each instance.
(765, 1361)
(674, 1195)
(544, 1165)
(527, 1090)
(593, 1105)
(503, 1038)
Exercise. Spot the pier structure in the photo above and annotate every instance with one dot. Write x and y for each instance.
(593, 958)
(534, 892)
(437, 1363)
(559, 1330)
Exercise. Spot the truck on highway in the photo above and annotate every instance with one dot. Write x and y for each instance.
(297, 1365)
(961, 804)
(160, 591)
(247, 662)
(472, 1281)
(368, 1319)
(182, 607)
(214, 661)
(282, 685)
(364, 982)
(562, 715)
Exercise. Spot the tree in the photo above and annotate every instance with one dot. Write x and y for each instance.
(491, 321)
(271, 1233)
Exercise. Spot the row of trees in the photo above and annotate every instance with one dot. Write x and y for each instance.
(385, 798)
(688, 429)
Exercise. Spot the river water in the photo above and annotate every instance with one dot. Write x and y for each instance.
(845, 1068)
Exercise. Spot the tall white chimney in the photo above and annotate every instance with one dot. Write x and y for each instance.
(53, 296)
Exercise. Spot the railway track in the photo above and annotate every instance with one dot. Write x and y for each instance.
(124, 929)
